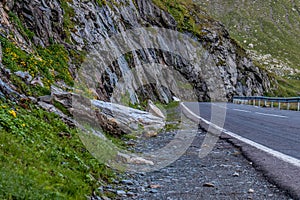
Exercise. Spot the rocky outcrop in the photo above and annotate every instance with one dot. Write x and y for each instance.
(90, 25)
(113, 118)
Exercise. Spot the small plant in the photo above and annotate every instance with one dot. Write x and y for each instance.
(50, 63)
(42, 158)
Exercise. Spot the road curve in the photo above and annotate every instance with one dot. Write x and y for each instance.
(268, 137)
(275, 129)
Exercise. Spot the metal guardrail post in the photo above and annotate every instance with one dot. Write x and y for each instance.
(266, 100)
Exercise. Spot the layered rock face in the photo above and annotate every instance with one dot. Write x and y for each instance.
(86, 25)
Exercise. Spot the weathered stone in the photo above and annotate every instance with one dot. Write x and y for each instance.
(95, 24)
(37, 81)
(50, 108)
(24, 75)
(208, 185)
(153, 109)
(47, 99)
(65, 98)
(124, 116)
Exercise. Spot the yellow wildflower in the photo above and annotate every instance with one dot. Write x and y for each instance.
(23, 125)
(23, 63)
(13, 113)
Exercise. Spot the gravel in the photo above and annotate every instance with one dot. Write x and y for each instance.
(224, 174)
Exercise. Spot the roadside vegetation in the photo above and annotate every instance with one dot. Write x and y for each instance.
(42, 158)
(269, 29)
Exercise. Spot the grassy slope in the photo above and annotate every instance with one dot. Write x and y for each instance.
(272, 26)
(42, 158)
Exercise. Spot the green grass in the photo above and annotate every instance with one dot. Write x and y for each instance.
(42, 158)
(68, 23)
(51, 63)
(188, 15)
(173, 117)
(17, 22)
(273, 28)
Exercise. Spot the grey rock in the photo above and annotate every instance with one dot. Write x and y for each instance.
(153, 191)
(8, 92)
(153, 109)
(37, 81)
(236, 174)
(208, 184)
(63, 97)
(127, 182)
(46, 99)
(229, 64)
(121, 192)
(130, 194)
(124, 116)
(24, 75)
(250, 191)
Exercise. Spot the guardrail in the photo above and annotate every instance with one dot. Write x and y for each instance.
(266, 100)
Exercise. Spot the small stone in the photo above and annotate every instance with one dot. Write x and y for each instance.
(127, 182)
(121, 192)
(235, 174)
(130, 194)
(24, 75)
(250, 191)
(208, 185)
(150, 134)
(105, 198)
(37, 81)
(153, 191)
(100, 189)
(154, 186)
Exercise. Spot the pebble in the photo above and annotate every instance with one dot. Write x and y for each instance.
(121, 192)
(154, 186)
(153, 191)
(130, 193)
(235, 174)
(175, 182)
(208, 185)
(127, 182)
(250, 191)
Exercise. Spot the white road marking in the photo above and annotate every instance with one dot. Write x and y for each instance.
(277, 154)
(246, 111)
(271, 115)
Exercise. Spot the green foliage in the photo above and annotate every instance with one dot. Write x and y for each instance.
(101, 2)
(50, 63)
(69, 13)
(188, 15)
(172, 112)
(287, 88)
(271, 26)
(24, 31)
(42, 158)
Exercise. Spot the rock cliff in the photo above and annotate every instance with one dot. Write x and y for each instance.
(82, 25)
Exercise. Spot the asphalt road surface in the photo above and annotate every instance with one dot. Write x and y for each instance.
(267, 136)
(275, 129)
